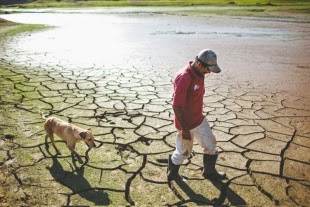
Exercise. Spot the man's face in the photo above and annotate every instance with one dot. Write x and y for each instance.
(202, 69)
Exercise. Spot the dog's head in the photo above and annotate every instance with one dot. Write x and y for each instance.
(88, 137)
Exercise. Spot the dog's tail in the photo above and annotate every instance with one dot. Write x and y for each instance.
(42, 115)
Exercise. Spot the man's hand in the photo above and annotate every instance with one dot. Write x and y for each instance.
(178, 111)
(186, 135)
(179, 114)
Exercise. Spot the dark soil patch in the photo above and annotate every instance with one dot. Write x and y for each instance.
(11, 2)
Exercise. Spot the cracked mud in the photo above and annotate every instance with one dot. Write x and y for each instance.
(263, 137)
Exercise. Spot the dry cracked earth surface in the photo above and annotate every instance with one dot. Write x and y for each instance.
(263, 134)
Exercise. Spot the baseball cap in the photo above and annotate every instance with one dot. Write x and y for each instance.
(208, 57)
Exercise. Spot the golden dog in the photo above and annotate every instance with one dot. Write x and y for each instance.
(70, 133)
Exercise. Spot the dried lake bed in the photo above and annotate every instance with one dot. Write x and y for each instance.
(113, 72)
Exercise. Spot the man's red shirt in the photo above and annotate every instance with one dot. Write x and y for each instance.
(188, 94)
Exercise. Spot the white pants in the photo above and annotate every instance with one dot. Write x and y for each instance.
(202, 134)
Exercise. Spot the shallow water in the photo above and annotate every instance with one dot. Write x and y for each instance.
(94, 38)
(144, 38)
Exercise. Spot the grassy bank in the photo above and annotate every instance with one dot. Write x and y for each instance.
(11, 29)
(9, 96)
(61, 3)
(260, 8)
(8, 28)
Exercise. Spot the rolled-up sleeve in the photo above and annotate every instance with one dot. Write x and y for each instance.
(181, 84)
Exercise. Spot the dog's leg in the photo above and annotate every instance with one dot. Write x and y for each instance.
(73, 152)
(53, 143)
(46, 145)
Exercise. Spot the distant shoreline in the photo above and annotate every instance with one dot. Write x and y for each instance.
(276, 9)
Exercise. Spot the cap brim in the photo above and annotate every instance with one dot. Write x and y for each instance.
(215, 69)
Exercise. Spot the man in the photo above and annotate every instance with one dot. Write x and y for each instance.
(189, 119)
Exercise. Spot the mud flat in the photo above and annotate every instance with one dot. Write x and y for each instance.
(258, 107)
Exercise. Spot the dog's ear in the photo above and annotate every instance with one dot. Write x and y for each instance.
(83, 135)
(89, 129)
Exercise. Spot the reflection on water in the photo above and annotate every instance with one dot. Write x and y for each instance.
(78, 43)
(78, 39)
(101, 39)
(120, 37)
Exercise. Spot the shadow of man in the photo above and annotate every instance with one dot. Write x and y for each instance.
(232, 197)
(75, 181)
(193, 196)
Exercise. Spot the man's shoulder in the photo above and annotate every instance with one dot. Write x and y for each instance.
(183, 76)
(184, 72)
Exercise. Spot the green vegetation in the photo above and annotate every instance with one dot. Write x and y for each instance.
(261, 8)
(18, 28)
(105, 3)
(8, 28)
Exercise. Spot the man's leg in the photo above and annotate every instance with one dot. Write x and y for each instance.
(209, 168)
(207, 141)
(182, 151)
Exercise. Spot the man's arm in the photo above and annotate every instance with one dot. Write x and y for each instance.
(178, 112)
